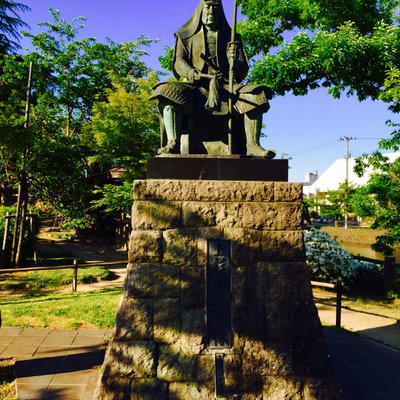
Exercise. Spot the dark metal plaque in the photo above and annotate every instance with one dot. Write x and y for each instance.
(219, 293)
(219, 375)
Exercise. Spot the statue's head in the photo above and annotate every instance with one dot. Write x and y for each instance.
(211, 14)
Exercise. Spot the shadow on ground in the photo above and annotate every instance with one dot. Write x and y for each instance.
(367, 370)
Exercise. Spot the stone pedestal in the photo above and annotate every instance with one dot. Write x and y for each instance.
(162, 348)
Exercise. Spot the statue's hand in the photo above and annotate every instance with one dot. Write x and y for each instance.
(194, 75)
(231, 51)
(218, 75)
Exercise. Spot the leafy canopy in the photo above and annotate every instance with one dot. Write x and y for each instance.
(380, 197)
(70, 76)
(345, 45)
(10, 25)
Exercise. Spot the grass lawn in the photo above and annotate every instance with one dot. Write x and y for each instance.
(40, 299)
(57, 310)
(34, 280)
(365, 236)
(7, 386)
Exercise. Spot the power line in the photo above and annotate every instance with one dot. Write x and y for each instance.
(314, 148)
(328, 144)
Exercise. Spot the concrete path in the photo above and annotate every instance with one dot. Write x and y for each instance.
(366, 370)
(64, 365)
(379, 328)
(54, 364)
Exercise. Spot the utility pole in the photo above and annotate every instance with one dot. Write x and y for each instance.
(346, 139)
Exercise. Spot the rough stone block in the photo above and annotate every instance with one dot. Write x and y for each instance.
(229, 215)
(198, 214)
(153, 280)
(288, 191)
(257, 283)
(176, 364)
(283, 246)
(311, 358)
(272, 216)
(112, 387)
(190, 391)
(277, 388)
(134, 320)
(148, 389)
(180, 247)
(135, 359)
(288, 282)
(239, 290)
(167, 320)
(245, 245)
(145, 246)
(193, 330)
(322, 388)
(250, 321)
(289, 320)
(205, 369)
(233, 370)
(193, 288)
(202, 190)
(158, 215)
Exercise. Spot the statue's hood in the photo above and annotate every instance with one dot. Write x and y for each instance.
(194, 24)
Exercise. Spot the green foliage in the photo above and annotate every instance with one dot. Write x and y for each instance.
(380, 197)
(81, 70)
(123, 133)
(167, 58)
(10, 25)
(114, 198)
(60, 277)
(327, 260)
(72, 80)
(345, 45)
(124, 130)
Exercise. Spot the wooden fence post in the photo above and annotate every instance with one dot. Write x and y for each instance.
(34, 239)
(75, 275)
(338, 305)
(389, 270)
(5, 239)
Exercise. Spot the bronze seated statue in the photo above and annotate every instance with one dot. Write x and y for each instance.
(210, 111)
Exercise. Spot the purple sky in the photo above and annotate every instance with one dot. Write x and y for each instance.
(308, 128)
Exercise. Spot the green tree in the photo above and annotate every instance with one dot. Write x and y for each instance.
(10, 25)
(69, 76)
(124, 132)
(345, 45)
(380, 197)
(337, 202)
(81, 70)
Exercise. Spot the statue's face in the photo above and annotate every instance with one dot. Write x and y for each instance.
(211, 15)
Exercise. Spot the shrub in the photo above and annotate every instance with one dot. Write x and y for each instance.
(327, 260)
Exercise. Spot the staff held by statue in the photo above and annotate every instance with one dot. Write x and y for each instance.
(232, 52)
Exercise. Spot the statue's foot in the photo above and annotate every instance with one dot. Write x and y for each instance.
(256, 150)
(170, 148)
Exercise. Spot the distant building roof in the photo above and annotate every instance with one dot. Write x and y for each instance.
(335, 175)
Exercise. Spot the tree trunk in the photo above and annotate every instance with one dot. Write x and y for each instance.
(22, 225)
(14, 244)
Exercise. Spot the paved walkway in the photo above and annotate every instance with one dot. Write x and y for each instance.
(64, 365)
(382, 329)
(54, 364)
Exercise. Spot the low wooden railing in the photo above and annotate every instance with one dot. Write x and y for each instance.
(339, 291)
(75, 266)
